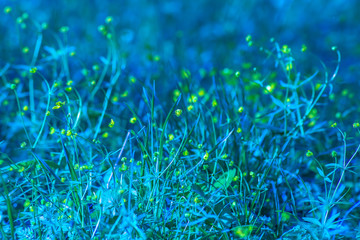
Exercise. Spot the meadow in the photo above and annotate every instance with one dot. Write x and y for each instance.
(179, 120)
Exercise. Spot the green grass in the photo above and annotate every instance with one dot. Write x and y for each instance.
(223, 154)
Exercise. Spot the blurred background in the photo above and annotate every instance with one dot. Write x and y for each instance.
(197, 33)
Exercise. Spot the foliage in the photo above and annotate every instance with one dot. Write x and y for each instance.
(106, 136)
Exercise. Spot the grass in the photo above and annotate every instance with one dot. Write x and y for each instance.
(98, 151)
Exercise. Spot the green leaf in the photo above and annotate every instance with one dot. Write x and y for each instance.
(313, 221)
(225, 180)
(321, 172)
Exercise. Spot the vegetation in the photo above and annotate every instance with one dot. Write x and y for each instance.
(115, 148)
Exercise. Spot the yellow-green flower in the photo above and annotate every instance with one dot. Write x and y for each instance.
(133, 120)
(105, 135)
(214, 103)
(7, 9)
(178, 112)
(33, 70)
(303, 48)
(243, 231)
(206, 156)
(27, 203)
(285, 216)
(309, 153)
(201, 92)
(112, 123)
(285, 49)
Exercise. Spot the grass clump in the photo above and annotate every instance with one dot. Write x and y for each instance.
(103, 151)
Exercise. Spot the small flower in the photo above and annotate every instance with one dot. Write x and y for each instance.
(44, 25)
(132, 79)
(334, 125)
(25, 108)
(303, 48)
(108, 19)
(21, 169)
(242, 231)
(171, 137)
(33, 70)
(25, 50)
(7, 9)
(156, 58)
(240, 109)
(190, 107)
(176, 93)
(178, 112)
(102, 29)
(285, 216)
(289, 66)
(333, 154)
(124, 94)
(115, 99)
(356, 125)
(270, 88)
(96, 67)
(112, 123)
(201, 92)
(214, 103)
(285, 49)
(105, 135)
(309, 153)
(64, 29)
(194, 98)
(27, 203)
(206, 156)
(133, 120)
(23, 144)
